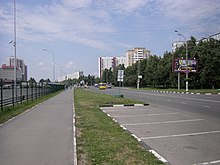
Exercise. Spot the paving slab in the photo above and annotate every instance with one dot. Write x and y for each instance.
(42, 136)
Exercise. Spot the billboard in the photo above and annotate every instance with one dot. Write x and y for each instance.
(179, 65)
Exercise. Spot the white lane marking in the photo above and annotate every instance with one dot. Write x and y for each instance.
(206, 106)
(168, 100)
(165, 122)
(180, 135)
(183, 102)
(154, 114)
(158, 156)
(211, 162)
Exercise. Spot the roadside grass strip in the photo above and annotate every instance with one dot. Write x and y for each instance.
(100, 140)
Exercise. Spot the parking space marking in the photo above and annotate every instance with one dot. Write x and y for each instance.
(205, 106)
(154, 114)
(211, 162)
(179, 135)
(166, 122)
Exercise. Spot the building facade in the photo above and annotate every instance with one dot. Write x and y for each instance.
(109, 62)
(74, 75)
(7, 70)
(20, 66)
(136, 54)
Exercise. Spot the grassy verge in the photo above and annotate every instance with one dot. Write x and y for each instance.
(10, 112)
(202, 91)
(102, 141)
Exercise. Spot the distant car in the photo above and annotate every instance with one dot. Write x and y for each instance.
(109, 86)
(102, 86)
(7, 86)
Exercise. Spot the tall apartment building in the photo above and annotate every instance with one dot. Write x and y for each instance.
(136, 54)
(109, 62)
(20, 66)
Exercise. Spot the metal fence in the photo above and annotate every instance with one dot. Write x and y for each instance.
(12, 95)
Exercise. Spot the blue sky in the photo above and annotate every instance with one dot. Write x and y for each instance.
(80, 31)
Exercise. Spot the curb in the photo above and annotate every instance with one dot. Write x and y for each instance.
(187, 93)
(123, 105)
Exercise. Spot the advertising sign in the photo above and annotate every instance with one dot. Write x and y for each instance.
(179, 65)
(120, 75)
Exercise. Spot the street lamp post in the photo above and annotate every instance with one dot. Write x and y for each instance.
(53, 62)
(61, 71)
(184, 37)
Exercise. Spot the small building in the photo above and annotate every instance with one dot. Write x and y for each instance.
(7, 73)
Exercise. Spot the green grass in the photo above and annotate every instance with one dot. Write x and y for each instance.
(213, 91)
(102, 141)
(10, 112)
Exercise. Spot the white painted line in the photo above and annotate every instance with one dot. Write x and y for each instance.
(158, 156)
(183, 102)
(154, 114)
(211, 162)
(206, 106)
(166, 122)
(168, 100)
(180, 135)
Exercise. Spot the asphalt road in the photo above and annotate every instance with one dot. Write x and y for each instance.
(184, 129)
(42, 136)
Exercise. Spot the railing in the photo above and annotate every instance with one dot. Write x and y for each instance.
(25, 92)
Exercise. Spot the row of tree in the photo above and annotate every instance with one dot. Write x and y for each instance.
(157, 71)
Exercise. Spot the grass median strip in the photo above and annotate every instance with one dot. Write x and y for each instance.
(10, 111)
(102, 141)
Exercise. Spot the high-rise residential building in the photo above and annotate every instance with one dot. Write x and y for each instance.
(109, 62)
(136, 54)
(20, 66)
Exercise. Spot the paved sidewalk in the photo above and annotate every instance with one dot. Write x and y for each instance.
(43, 136)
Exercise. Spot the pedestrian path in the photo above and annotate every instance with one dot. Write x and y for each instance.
(43, 136)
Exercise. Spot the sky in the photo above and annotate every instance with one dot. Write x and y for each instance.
(77, 32)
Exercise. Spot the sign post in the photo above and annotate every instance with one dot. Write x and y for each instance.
(120, 80)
